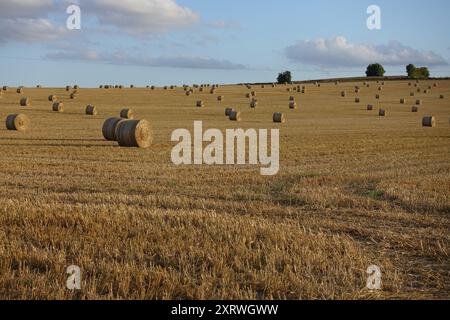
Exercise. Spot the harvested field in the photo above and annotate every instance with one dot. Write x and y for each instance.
(353, 190)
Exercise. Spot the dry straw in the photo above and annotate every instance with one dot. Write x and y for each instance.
(343, 94)
(19, 90)
(109, 128)
(235, 116)
(58, 107)
(356, 100)
(402, 100)
(134, 133)
(5, 88)
(25, 102)
(418, 102)
(279, 117)
(429, 121)
(441, 96)
(254, 103)
(73, 95)
(52, 98)
(126, 114)
(200, 104)
(369, 107)
(17, 122)
(220, 98)
(382, 113)
(91, 110)
(415, 109)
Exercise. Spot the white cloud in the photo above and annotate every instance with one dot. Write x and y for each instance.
(30, 30)
(338, 52)
(139, 17)
(122, 58)
(11, 9)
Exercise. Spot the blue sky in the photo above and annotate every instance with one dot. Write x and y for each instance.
(194, 41)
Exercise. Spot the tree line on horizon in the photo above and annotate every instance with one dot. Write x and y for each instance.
(373, 70)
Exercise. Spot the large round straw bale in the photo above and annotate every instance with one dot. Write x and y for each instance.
(291, 98)
(414, 109)
(412, 94)
(430, 87)
(19, 90)
(425, 91)
(279, 117)
(109, 128)
(235, 116)
(200, 104)
(292, 105)
(220, 98)
(248, 95)
(134, 133)
(435, 85)
(428, 121)
(227, 111)
(288, 89)
(357, 90)
(25, 102)
(131, 86)
(410, 84)
(356, 100)
(91, 110)
(441, 96)
(188, 93)
(52, 98)
(58, 107)
(73, 95)
(76, 87)
(418, 102)
(254, 103)
(152, 88)
(369, 107)
(402, 100)
(126, 114)
(380, 88)
(382, 113)
(212, 91)
(343, 94)
(418, 90)
(18, 122)
(5, 88)
(253, 93)
(377, 96)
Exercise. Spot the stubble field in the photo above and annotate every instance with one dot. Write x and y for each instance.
(354, 190)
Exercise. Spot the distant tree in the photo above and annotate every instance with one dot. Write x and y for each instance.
(417, 73)
(410, 68)
(375, 70)
(284, 77)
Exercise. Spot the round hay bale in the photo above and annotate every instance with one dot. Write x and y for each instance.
(356, 100)
(254, 104)
(288, 89)
(377, 96)
(17, 122)
(418, 102)
(73, 95)
(200, 104)
(303, 90)
(188, 93)
(76, 87)
(152, 88)
(5, 88)
(382, 83)
(134, 133)
(357, 90)
(429, 87)
(380, 88)
(402, 100)
(109, 128)
(368, 86)
(235, 116)
(248, 95)
(58, 107)
(253, 93)
(425, 91)
(279, 117)
(343, 94)
(418, 90)
(101, 86)
(291, 98)
(292, 105)
(435, 85)
(132, 86)
(441, 96)
(19, 90)
(25, 102)
(412, 94)
(429, 121)
(228, 111)
(52, 98)
(212, 91)
(410, 84)
(369, 107)
(126, 114)
(382, 113)
(91, 110)
(414, 109)
(220, 98)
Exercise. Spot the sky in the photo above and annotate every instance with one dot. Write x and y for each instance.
(162, 42)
